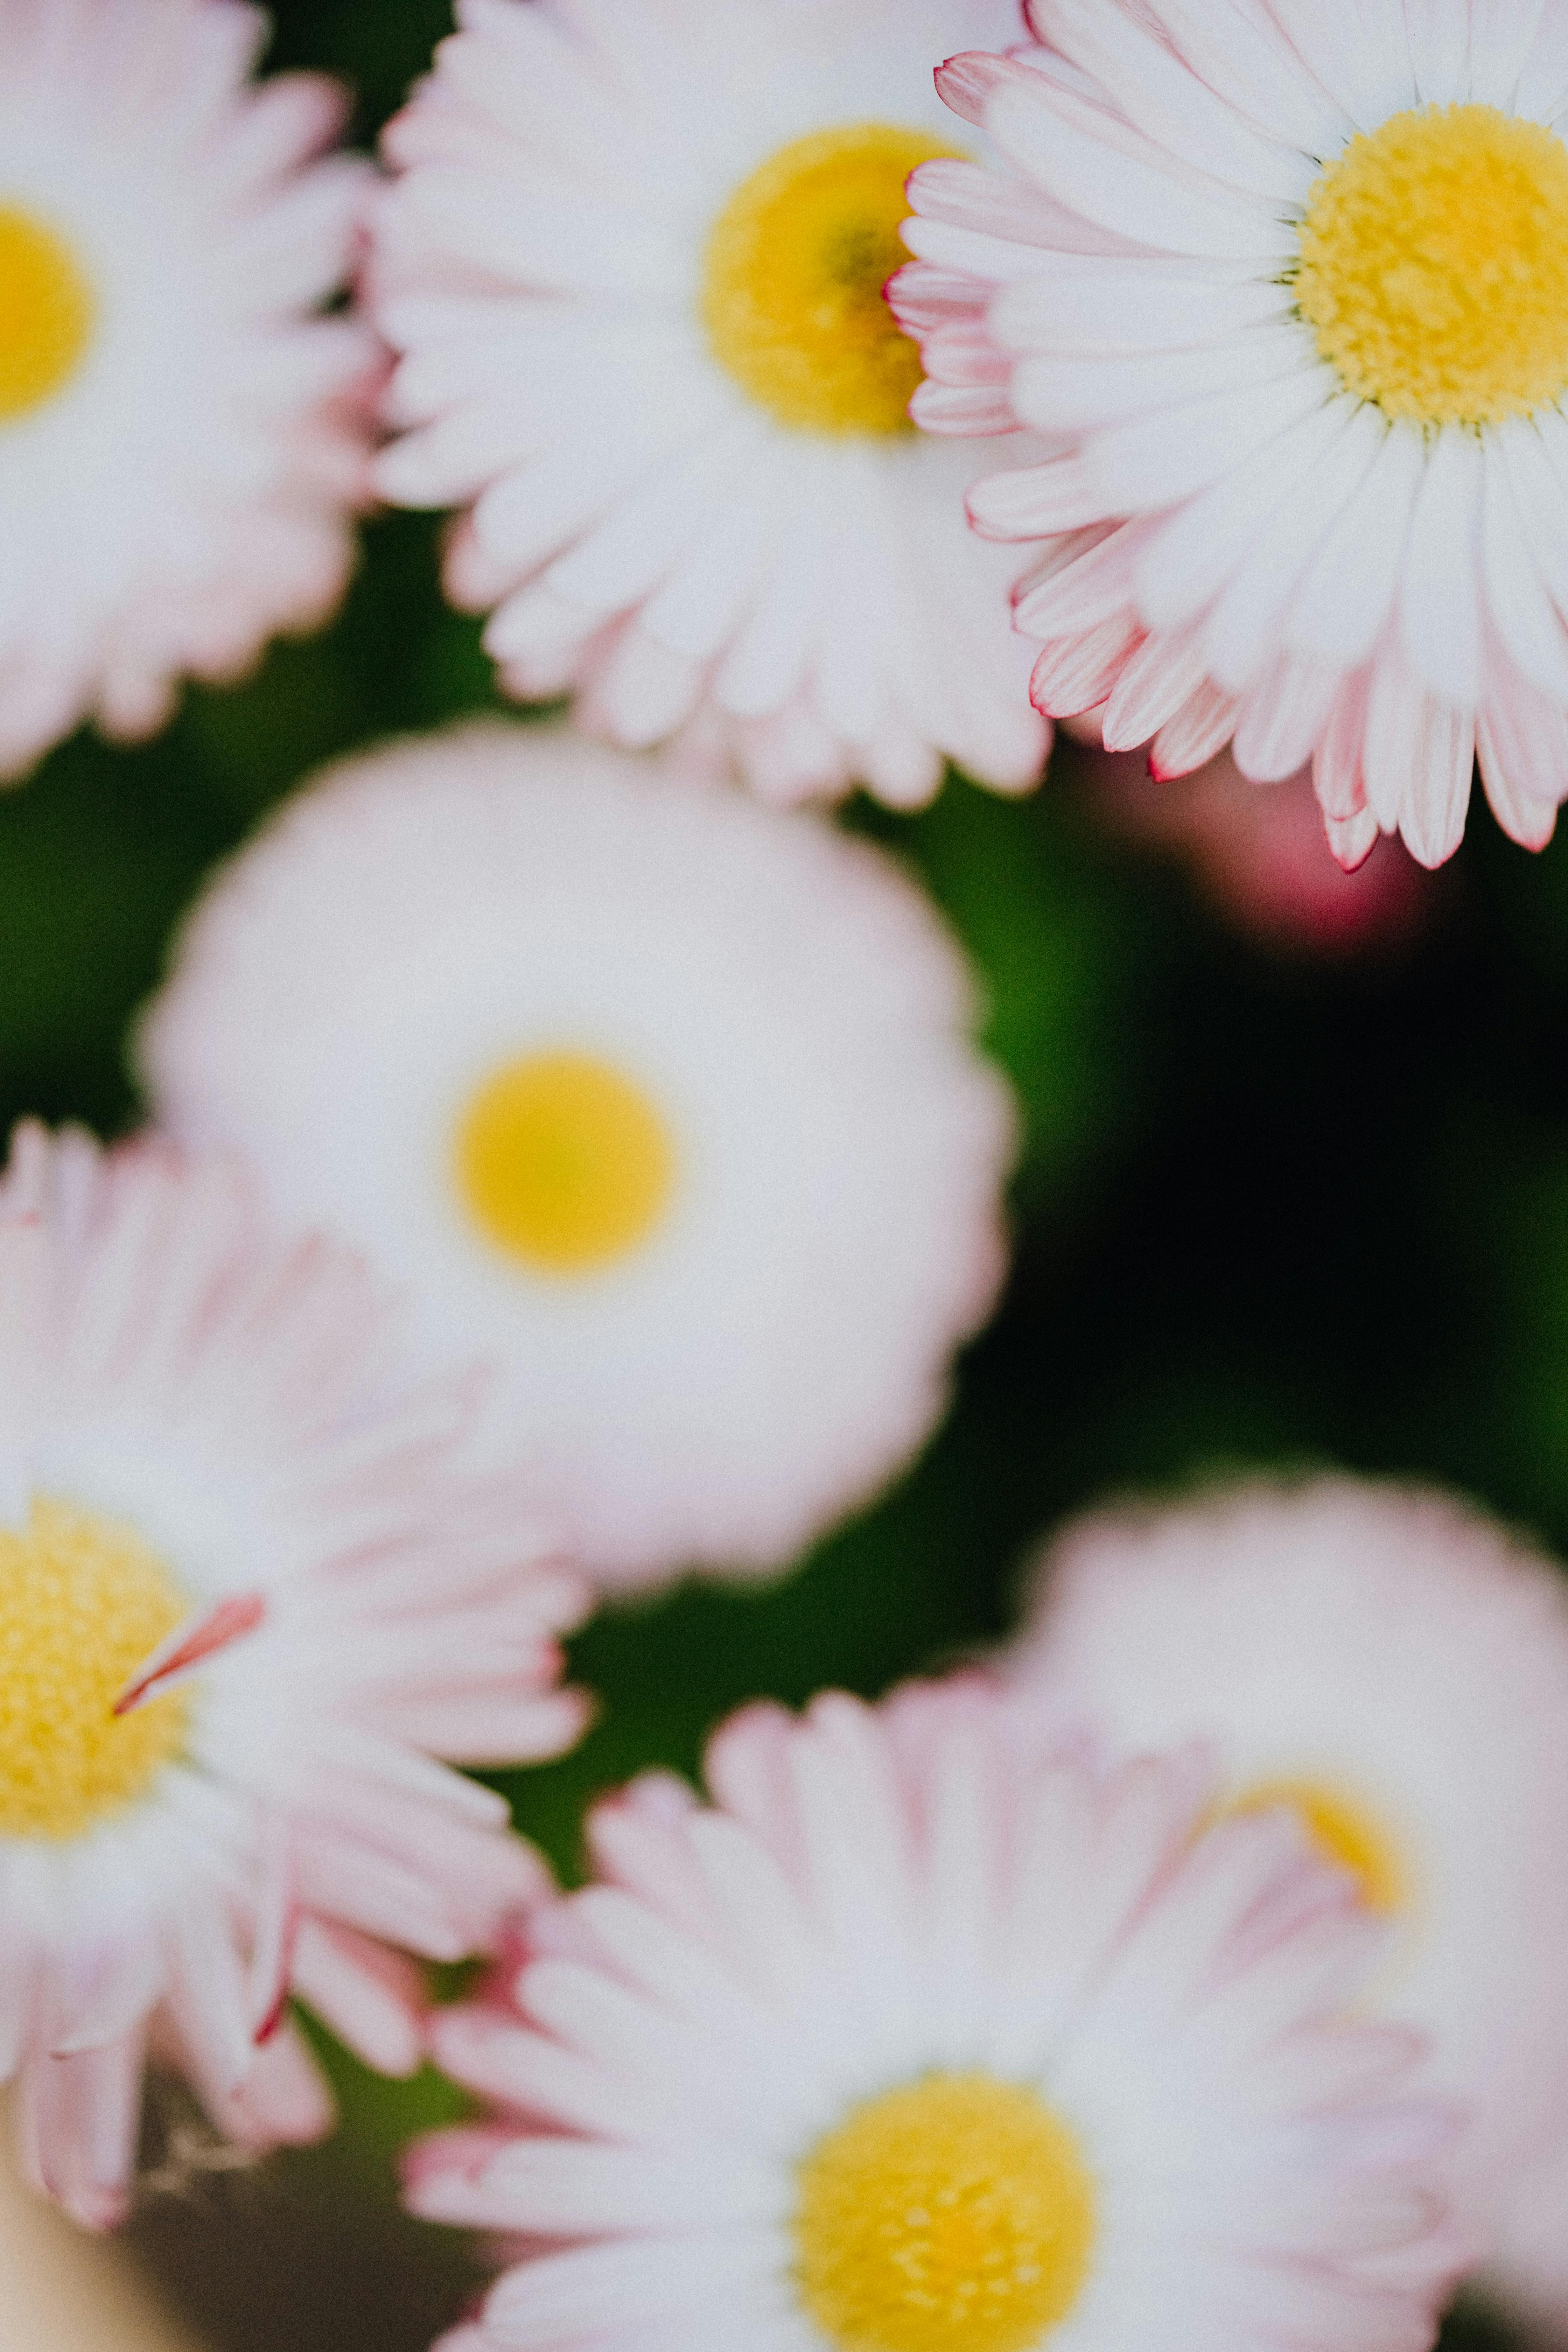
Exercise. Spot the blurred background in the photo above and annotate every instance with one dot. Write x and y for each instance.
(1295, 1190)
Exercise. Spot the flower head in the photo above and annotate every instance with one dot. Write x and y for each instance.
(1289, 285)
(249, 1590)
(182, 438)
(1396, 1669)
(633, 263)
(664, 1102)
(910, 2042)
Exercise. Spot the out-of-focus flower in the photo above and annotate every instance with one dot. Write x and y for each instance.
(182, 440)
(635, 264)
(1396, 1667)
(249, 1592)
(1259, 857)
(1290, 283)
(664, 1102)
(911, 2043)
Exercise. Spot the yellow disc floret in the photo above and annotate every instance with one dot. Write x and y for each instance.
(792, 290)
(1344, 1830)
(563, 1163)
(953, 2215)
(1434, 265)
(83, 1602)
(46, 313)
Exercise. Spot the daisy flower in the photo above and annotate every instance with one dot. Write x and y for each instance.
(248, 1592)
(633, 263)
(182, 438)
(663, 1102)
(908, 2042)
(1289, 278)
(1396, 1668)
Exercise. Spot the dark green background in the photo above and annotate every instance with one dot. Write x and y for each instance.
(1269, 1211)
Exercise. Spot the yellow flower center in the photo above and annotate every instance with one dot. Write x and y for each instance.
(1345, 1832)
(563, 1163)
(1434, 265)
(954, 2215)
(83, 1602)
(792, 293)
(46, 313)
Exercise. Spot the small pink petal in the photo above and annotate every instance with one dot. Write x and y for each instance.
(191, 1645)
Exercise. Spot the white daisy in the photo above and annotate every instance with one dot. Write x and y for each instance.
(909, 2043)
(182, 438)
(633, 263)
(249, 1590)
(1292, 278)
(663, 1101)
(1397, 1668)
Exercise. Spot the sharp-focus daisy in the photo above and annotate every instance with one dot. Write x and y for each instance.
(634, 265)
(1397, 1668)
(1291, 277)
(249, 1592)
(911, 2043)
(182, 438)
(663, 1101)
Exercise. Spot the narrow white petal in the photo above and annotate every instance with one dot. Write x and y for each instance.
(1345, 599)
(1118, 180)
(1057, 395)
(1154, 461)
(1169, 104)
(1439, 602)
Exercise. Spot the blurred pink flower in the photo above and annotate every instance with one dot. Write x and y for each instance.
(1260, 855)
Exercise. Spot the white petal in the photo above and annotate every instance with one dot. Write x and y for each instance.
(1128, 307)
(1057, 395)
(1345, 599)
(1152, 462)
(1439, 602)
(1248, 620)
(1120, 180)
(1169, 103)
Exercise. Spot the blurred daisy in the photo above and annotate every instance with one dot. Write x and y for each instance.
(248, 1592)
(635, 264)
(182, 438)
(663, 1101)
(907, 2045)
(1396, 1668)
(1294, 284)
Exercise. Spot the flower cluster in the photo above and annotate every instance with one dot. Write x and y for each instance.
(573, 1160)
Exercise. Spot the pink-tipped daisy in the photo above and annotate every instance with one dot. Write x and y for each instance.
(182, 438)
(634, 264)
(249, 1590)
(1396, 1667)
(1290, 279)
(663, 1102)
(911, 2042)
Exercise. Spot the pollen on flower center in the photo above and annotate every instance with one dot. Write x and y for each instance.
(1345, 1831)
(955, 2214)
(792, 293)
(83, 1602)
(564, 1162)
(1434, 265)
(46, 312)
